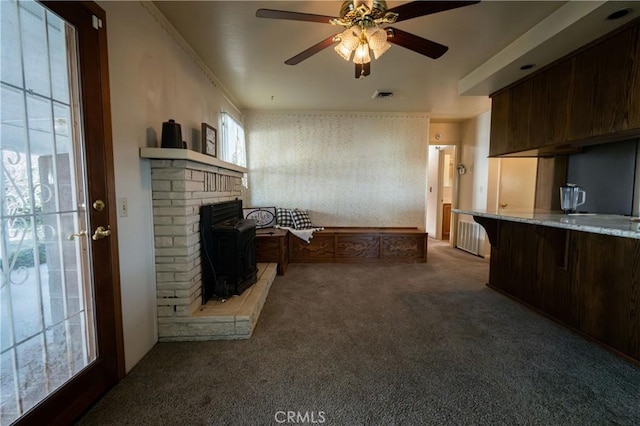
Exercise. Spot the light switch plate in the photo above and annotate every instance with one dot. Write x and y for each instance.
(123, 207)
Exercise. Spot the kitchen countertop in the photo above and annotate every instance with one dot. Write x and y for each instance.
(607, 224)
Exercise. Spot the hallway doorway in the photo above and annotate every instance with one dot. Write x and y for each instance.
(441, 190)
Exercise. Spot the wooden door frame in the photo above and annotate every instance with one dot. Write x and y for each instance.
(85, 388)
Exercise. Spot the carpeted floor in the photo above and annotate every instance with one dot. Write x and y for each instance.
(414, 344)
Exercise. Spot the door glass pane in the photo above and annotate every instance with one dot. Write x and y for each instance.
(33, 37)
(47, 331)
(11, 69)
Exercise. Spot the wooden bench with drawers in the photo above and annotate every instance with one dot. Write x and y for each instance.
(342, 245)
(272, 245)
(360, 245)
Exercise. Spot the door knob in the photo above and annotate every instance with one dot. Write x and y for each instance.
(98, 205)
(504, 205)
(78, 234)
(101, 232)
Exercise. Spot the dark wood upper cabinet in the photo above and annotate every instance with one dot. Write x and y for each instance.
(520, 118)
(591, 96)
(606, 94)
(500, 107)
(550, 105)
(511, 119)
(633, 88)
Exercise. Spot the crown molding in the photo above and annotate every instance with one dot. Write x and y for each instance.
(186, 47)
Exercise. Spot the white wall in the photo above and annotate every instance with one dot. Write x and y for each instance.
(475, 189)
(445, 133)
(152, 79)
(347, 169)
(474, 155)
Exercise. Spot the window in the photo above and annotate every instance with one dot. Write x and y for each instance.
(232, 148)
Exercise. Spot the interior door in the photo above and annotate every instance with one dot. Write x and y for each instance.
(446, 221)
(61, 331)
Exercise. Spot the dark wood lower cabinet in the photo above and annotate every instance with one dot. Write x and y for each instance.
(607, 275)
(590, 282)
(556, 294)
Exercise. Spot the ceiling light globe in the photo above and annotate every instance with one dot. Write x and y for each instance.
(343, 51)
(377, 38)
(349, 39)
(380, 51)
(361, 55)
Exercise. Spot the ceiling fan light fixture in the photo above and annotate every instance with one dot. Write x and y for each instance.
(378, 42)
(379, 52)
(349, 40)
(360, 17)
(361, 55)
(351, 37)
(344, 51)
(376, 37)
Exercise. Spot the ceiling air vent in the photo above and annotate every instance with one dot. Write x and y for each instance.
(379, 94)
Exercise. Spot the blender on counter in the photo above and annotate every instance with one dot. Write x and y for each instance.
(571, 196)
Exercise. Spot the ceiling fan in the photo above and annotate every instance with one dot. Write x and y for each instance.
(363, 22)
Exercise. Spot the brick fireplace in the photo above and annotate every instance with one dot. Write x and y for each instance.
(182, 181)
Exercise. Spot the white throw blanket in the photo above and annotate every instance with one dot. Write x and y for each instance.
(304, 234)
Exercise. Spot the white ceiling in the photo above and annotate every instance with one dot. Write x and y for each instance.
(488, 42)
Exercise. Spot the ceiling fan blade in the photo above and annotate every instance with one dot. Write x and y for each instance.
(417, 44)
(305, 54)
(363, 70)
(422, 8)
(293, 16)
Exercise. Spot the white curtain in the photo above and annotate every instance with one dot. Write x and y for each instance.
(232, 148)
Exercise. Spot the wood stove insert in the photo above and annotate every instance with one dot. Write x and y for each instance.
(228, 251)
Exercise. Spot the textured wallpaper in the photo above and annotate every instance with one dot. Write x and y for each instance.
(346, 169)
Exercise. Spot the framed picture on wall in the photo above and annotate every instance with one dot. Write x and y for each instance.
(209, 140)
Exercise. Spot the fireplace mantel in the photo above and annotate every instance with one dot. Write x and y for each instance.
(187, 154)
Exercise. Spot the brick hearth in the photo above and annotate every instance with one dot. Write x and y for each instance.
(179, 188)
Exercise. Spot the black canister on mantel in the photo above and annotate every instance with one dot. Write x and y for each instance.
(171, 135)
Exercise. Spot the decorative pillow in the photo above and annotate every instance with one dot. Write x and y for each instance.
(301, 219)
(265, 217)
(283, 217)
